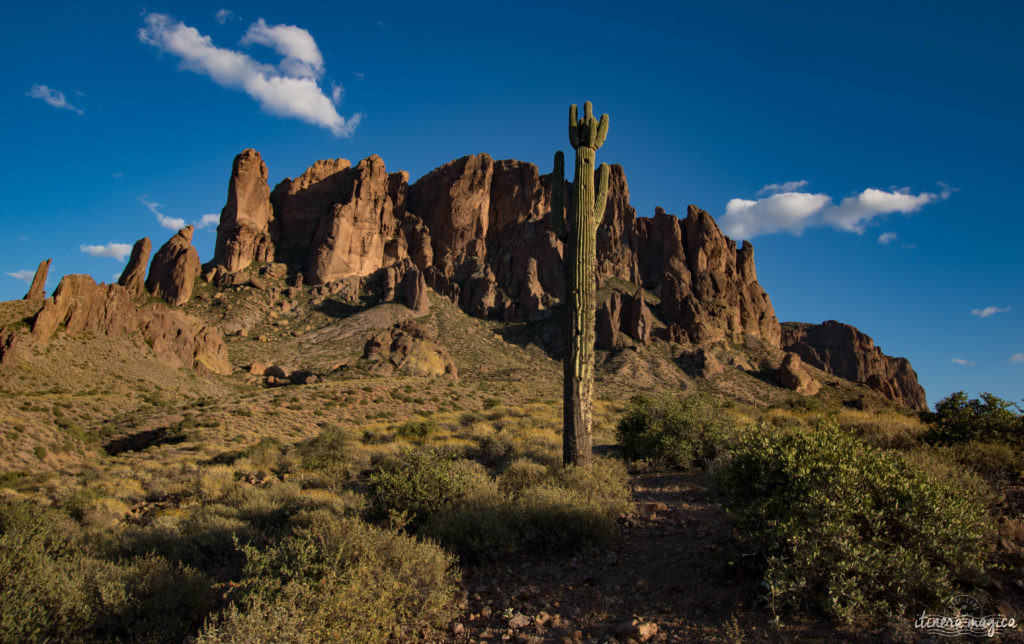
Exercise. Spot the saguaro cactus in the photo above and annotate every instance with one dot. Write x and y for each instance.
(576, 224)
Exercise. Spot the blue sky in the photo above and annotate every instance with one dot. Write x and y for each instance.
(818, 130)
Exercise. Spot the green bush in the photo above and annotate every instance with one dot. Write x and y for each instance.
(671, 432)
(339, 581)
(416, 485)
(847, 529)
(957, 419)
(417, 429)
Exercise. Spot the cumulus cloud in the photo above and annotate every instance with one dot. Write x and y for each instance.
(23, 275)
(222, 16)
(52, 97)
(171, 223)
(794, 212)
(1017, 357)
(788, 186)
(289, 89)
(961, 361)
(205, 221)
(988, 310)
(885, 238)
(111, 249)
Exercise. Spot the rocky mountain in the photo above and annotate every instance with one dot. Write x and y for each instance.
(845, 351)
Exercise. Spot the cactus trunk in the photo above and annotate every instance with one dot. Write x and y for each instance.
(577, 225)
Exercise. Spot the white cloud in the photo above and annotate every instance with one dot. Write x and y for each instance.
(171, 223)
(988, 310)
(111, 249)
(961, 361)
(222, 16)
(885, 238)
(793, 212)
(302, 57)
(23, 275)
(1017, 357)
(52, 97)
(288, 90)
(205, 221)
(789, 186)
(789, 211)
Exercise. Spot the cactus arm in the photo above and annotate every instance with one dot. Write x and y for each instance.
(557, 196)
(574, 135)
(602, 132)
(601, 199)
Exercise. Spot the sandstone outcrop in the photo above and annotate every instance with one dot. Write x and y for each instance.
(176, 338)
(133, 278)
(37, 290)
(793, 375)
(622, 317)
(845, 351)
(243, 235)
(10, 346)
(174, 270)
(408, 348)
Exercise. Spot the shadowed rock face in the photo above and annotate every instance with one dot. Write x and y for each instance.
(37, 290)
(845, 351)
(133, 278)
(176, 338)
(793, 376)
(408, 348)
(174, 270)
(243, 235)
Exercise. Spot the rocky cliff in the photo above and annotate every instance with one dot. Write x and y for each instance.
(477, 229)
(845, 351)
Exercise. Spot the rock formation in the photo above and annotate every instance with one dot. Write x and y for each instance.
(243, 235)
(37, 290)
(174, 270)
(176, 338)
(10, 346)
(408, 348)
(133, 278)
(844, 351)
(793, 375)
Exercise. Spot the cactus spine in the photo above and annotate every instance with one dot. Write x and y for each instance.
(575, 221)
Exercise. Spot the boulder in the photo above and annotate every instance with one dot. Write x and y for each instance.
(174, 270)
(10, 346)
(843, 350)
(133, 277)
(415, 291)
(243, 235)
(793, 375)
(37, 290)
(408, 348)
(701, 363)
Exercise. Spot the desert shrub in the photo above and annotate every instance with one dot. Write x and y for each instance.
(847, 529)
(416, 429)
(341, 581)
(416, 485)
(675, 432)
(1000, 464)
(957, 419)
(330, 456)
(887, 429)
(521, 474)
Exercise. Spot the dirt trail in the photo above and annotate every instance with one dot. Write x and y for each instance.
(668, 568)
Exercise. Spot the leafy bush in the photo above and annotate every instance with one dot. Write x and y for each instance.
(416, 485)
(670, 431)
(339, 581)
(957, 419)
(847, 529)
(417, 429)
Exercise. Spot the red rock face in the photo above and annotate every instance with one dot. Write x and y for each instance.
(844, 351)
(176, 338)
(133, 278)
(37, 290)
(174, 270)
(243, 235)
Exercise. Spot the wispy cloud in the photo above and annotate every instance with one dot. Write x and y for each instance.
(289, 89)
(794, 212)
(118, 175)
(788, 186)
(1018, 358)
(25, 275)
(961, 361)
(988, 310)
(223, 16)
(205, 221)
(111, 249)
(885, 238)
(52, 97)
(171, 223)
